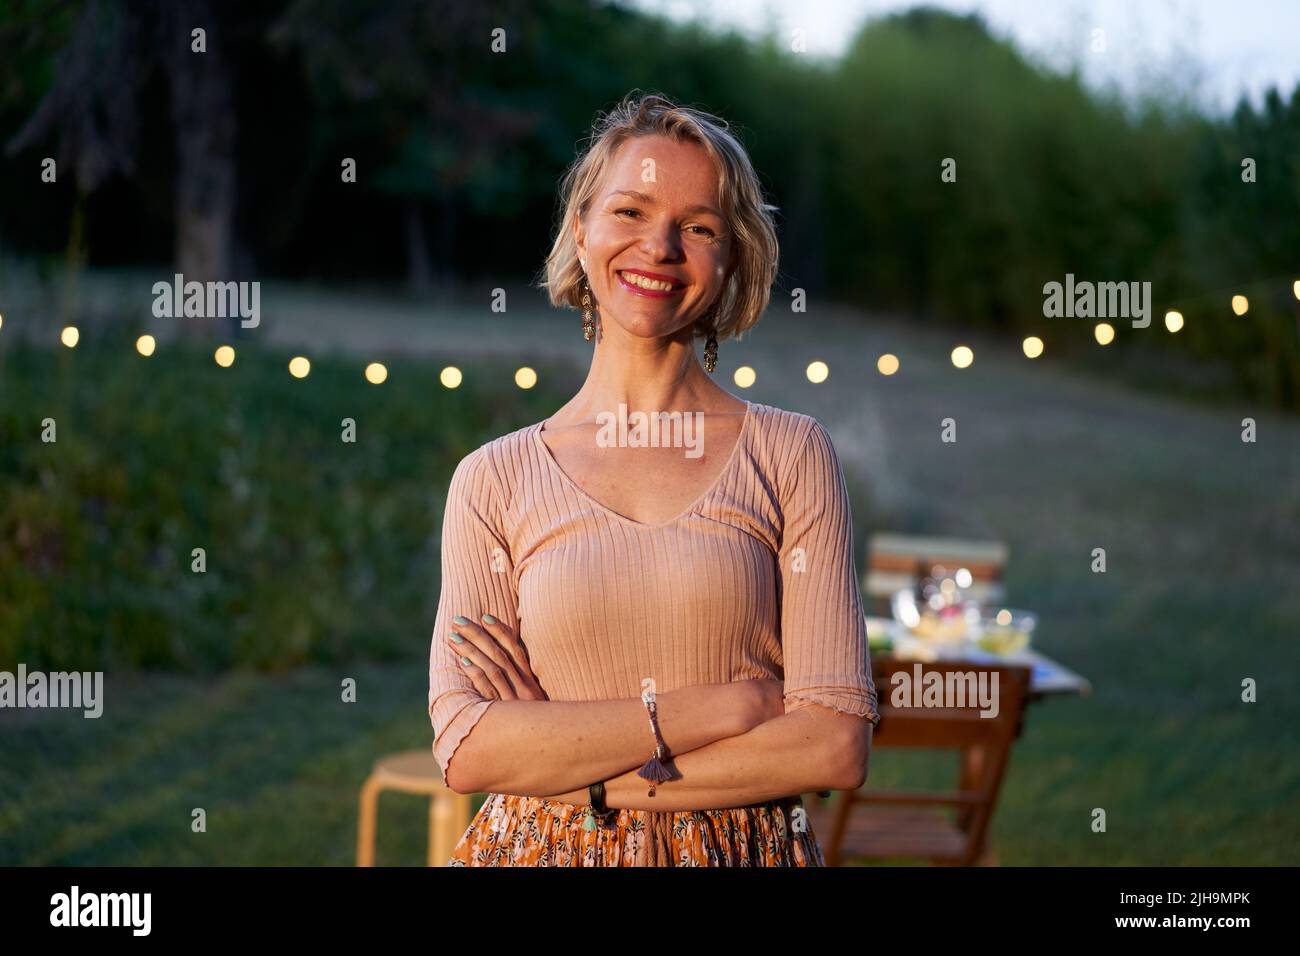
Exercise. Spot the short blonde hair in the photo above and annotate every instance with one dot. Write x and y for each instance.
(754, 252)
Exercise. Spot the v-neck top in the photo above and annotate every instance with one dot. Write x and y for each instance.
(755, 579)
(578, 489)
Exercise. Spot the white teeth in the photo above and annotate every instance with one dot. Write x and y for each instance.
(654, 285)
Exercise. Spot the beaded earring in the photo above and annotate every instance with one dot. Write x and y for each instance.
(588, 319)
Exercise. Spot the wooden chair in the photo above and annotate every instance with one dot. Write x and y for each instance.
(898, 561)
(895, 825)
(413, 771)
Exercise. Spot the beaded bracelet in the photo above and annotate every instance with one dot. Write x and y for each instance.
(656, 769)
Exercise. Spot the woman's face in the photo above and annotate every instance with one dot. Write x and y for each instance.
(656, 245)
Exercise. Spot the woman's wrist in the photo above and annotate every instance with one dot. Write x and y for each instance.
(690, 717)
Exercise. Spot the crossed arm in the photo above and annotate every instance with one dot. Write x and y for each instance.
(733, 744)
(556, 748)
(811, 748)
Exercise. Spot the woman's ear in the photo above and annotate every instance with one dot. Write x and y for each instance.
(580, 240)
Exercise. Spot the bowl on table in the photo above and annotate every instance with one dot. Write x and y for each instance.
(1005, 630)
(880, 640)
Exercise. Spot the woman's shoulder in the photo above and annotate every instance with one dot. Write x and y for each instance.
(783, 429)
(783, 438)
(493, 463)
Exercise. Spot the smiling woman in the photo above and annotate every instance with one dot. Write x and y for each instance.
(579, 572)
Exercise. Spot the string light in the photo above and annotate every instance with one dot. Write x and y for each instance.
(962, 356)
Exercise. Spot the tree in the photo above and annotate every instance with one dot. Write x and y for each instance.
(419, 75)
(92, 109)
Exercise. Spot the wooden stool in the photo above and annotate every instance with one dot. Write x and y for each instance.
(414, 771)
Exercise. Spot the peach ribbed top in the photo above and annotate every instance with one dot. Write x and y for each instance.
(754, 580)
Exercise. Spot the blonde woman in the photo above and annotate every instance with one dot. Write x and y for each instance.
(649, 646)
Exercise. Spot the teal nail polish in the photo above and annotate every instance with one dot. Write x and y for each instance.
(489, 619)
(460, 620)
(465, 661)
(458, 639)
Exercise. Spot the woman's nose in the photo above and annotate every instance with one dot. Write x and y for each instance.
(661, 242)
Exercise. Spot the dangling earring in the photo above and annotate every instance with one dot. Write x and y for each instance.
(711, 352)
(588, 320)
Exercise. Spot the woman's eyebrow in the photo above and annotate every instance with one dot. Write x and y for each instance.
(649, 200)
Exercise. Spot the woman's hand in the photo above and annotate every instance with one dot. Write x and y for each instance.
(498, 666)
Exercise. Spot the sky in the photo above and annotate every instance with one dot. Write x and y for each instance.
(1219, 49)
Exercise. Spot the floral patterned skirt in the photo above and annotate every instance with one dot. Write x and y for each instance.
(512, 830)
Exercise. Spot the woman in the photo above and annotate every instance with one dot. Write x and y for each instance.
(674, 619)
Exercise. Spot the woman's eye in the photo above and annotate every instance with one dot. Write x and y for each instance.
(703, 232)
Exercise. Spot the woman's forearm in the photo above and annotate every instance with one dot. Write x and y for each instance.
(800, 752)
(538, 747)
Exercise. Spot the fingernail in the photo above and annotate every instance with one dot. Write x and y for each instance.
(465, 661)
(456, 637)
(489, 619)
(460, 620)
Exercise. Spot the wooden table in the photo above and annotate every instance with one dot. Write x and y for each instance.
(878, 831)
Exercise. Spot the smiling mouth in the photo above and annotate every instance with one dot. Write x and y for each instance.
(642, 283)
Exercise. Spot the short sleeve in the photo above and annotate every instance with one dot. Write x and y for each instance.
(823, 629)
(476, 579)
